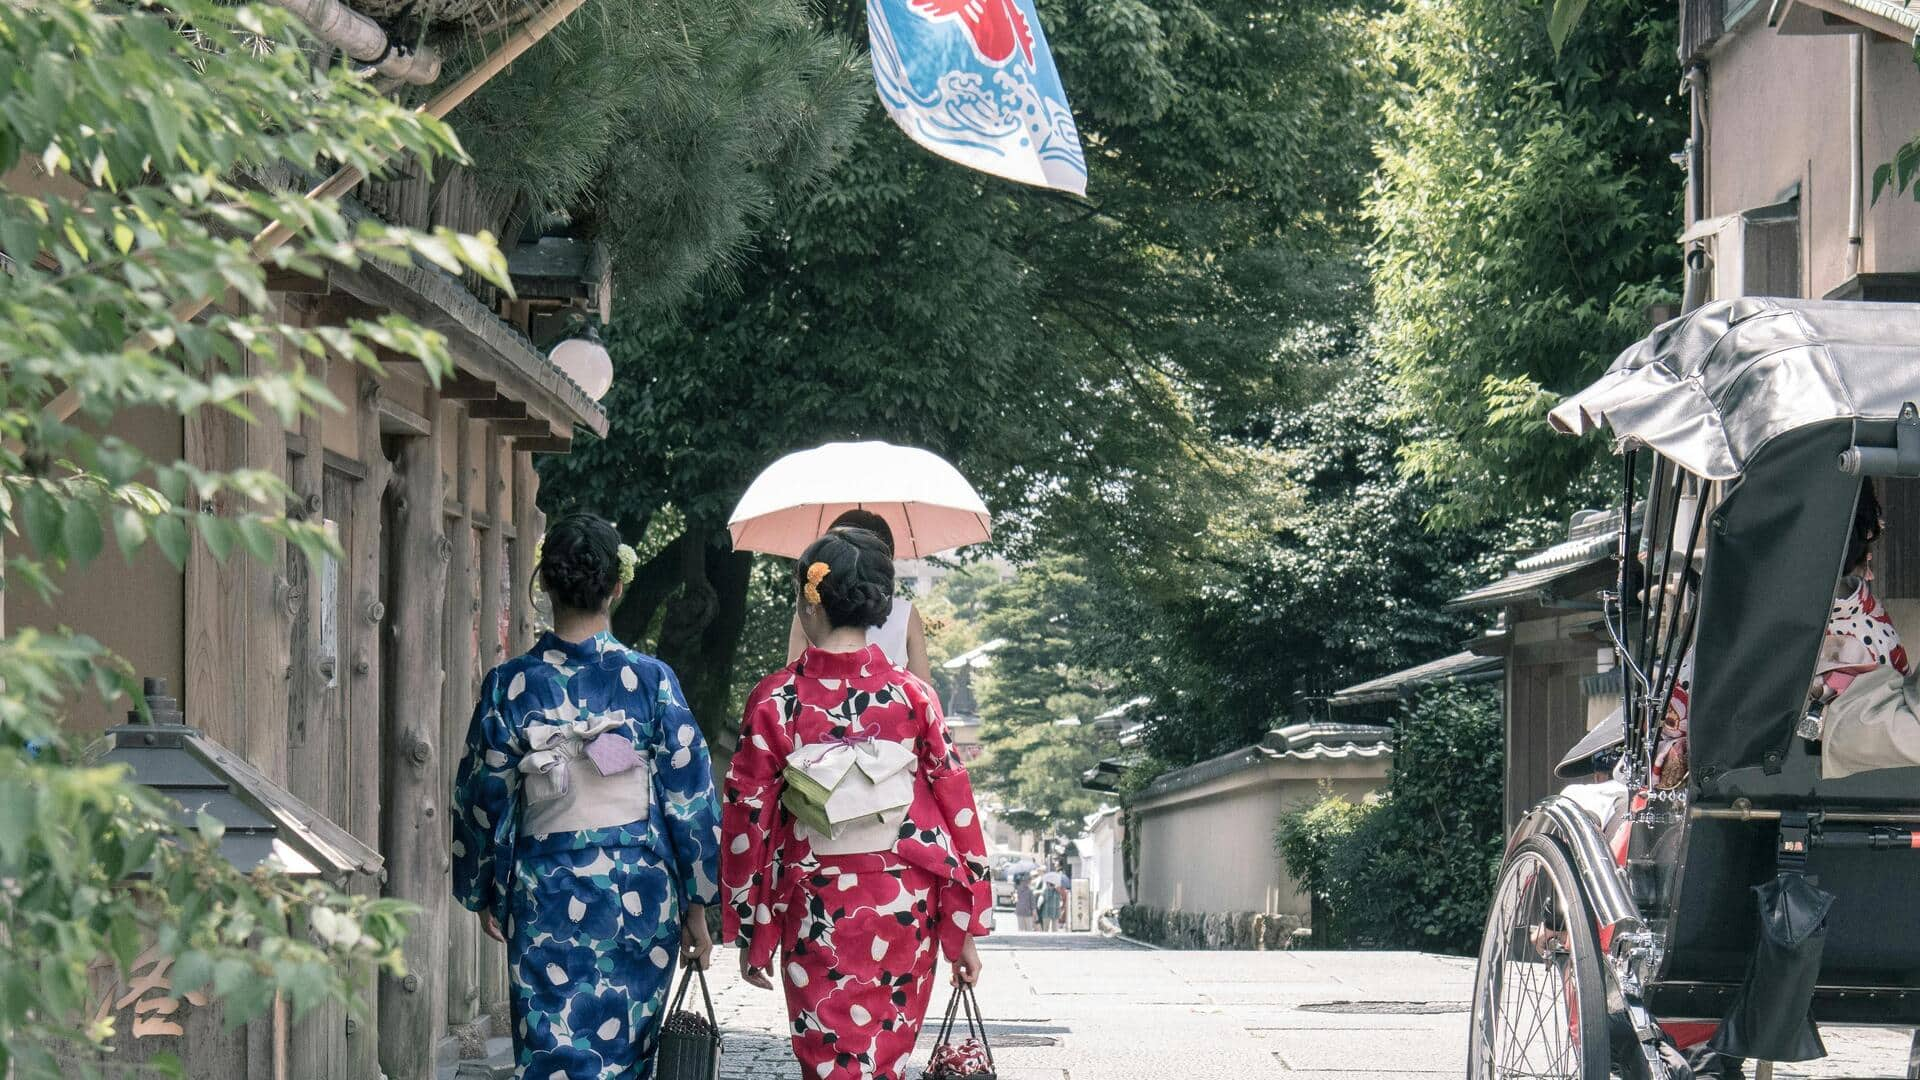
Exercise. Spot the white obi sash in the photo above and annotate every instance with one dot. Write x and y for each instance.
(566, 789)
(872, 788)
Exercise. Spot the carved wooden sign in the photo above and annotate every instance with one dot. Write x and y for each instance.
(147, 993)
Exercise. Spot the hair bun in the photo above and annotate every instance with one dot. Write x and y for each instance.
(857, 589)
(580, 562)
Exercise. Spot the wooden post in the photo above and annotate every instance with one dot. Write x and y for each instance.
(457, 692)
(316, 753)
(531, 525)
(237, 623)
(360, 633)
(491, 966)
(411, 1008)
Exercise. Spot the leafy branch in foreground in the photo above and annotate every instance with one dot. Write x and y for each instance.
(138, 144)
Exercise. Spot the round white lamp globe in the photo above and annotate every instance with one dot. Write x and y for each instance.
(585, 360)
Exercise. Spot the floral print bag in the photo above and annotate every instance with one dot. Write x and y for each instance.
(971, 1059)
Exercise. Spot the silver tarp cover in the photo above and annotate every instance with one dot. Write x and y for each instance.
(1711, 389)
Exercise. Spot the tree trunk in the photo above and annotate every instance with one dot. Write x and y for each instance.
(702, 587)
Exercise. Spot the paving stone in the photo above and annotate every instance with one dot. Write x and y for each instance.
(1082, 1007)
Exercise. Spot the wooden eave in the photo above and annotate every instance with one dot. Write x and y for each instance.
(485, 348)
(1890, 18)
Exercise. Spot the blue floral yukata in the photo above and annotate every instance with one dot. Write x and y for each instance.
(564, 739)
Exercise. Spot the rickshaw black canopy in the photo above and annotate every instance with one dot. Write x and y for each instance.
(1764, 394)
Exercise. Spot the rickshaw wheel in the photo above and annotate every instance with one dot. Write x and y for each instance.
(1539, 998)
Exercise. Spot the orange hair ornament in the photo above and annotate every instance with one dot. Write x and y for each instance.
(815, 575)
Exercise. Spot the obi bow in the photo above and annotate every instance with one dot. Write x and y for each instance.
(552, 747)
(853, 778)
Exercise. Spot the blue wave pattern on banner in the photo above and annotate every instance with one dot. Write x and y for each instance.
(972, 81)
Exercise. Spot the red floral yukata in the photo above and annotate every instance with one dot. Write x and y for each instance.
(856, 932)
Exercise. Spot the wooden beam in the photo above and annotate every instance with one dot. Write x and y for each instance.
(498, 409)
(550, 444)
(521, 429)
(466, 388)
(415, 829)
(338, 307)
(351, 468)
(390, 358)
(292, 281)
(397, 419)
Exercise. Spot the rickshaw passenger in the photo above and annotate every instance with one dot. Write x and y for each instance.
(1860, 638)
(1860, 635)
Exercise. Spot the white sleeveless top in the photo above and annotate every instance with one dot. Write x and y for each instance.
(892, 636)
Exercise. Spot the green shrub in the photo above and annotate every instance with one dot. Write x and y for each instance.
(1416, 870)
(1310, 839)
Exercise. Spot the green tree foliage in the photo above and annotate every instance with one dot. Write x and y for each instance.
(1416, 870)
(128, 130)
(1070, 357)
(1524, 211)
(1334, 581)
(1040, 677)
(668, 129)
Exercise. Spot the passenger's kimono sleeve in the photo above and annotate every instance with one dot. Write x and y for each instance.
(750, 822)
(967, 896)
(486, 792)
(689, 810)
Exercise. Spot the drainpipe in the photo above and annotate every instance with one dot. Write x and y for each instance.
(1698, 270)
(364, 42)
(1856, 153)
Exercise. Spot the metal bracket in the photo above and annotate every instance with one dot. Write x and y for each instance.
(1796, 836)
(1902, 459)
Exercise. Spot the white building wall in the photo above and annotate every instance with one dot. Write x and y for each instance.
(1211, 849)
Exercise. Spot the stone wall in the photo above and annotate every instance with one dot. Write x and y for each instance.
(1210, 930)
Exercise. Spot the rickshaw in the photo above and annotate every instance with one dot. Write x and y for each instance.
(1759, 896)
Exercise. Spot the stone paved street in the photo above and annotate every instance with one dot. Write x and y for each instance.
(1077, 1007)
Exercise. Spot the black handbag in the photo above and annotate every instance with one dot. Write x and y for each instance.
(970, 1060)
(689, 1042)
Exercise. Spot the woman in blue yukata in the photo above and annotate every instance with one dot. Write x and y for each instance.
(586, 830)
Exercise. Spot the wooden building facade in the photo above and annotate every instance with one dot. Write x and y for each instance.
(350, 684)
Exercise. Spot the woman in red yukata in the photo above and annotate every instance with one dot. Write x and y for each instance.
(850, 840)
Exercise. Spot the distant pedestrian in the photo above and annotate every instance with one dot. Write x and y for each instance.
(1023, 904)
(902, 636)
(585, 826)
(1052, 902)
(1057, 885)
(858, 906)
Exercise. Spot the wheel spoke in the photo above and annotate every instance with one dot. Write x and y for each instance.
(1528, 1014)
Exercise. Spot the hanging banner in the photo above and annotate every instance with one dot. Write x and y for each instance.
(972, 81)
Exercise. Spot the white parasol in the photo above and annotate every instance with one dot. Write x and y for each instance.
(928, 504)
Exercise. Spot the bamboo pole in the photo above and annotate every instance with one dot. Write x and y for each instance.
(349, 177)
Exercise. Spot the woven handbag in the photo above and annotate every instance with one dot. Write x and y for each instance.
(970, 1059)
(689, 1042)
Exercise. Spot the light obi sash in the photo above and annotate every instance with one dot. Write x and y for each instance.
(583, 774)
(869, 786)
